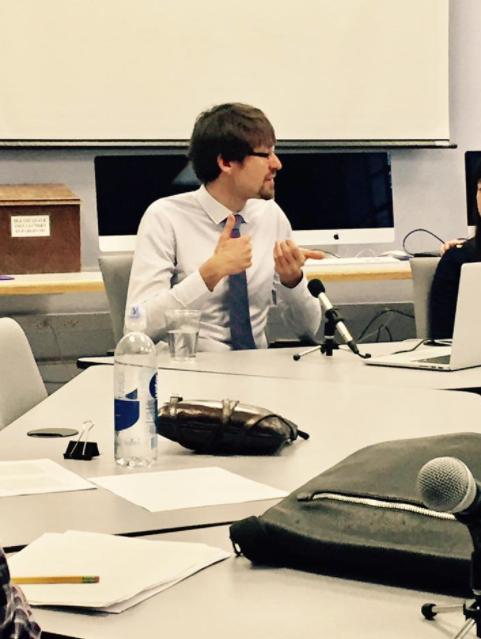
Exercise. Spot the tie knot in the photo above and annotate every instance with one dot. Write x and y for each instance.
(236, 230)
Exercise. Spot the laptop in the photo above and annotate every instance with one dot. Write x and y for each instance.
(465, 348)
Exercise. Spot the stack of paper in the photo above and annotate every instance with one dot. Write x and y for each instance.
(130, 570)
(31, 477)
(187, 488)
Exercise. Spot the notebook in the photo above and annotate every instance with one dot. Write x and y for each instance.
(465, 349)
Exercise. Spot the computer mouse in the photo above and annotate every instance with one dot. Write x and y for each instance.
(399, 255)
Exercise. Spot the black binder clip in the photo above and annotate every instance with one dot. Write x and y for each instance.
(82, 448)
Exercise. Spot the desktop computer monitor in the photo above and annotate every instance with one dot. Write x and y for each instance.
(472, 164)
(330, 198)
(337, 198)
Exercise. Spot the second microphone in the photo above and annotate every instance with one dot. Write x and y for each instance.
(316, 289)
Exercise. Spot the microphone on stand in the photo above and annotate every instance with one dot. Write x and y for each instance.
(447, 485)
(316, 289)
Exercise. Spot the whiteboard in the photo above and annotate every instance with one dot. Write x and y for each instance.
(144, 69)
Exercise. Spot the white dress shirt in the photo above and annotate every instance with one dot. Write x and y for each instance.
(178, 234)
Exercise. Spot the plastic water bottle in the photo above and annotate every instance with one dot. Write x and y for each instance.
(135, 378)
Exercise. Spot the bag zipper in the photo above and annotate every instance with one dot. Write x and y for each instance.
(379, 503)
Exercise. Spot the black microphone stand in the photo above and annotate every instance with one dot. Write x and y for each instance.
(472, 611)
(329, 345)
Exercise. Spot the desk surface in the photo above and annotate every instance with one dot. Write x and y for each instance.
(91, 281)
(340, 418)
(343, 367)
(236, 600)
(51, 283)
(361, 272)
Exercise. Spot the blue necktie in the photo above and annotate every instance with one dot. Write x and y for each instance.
(238, 303)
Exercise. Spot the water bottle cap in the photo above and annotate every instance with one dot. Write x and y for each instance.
(136, 319)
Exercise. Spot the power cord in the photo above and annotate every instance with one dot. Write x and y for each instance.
(386, 328)
(424, 342)
(414, 348)
(331, 253)
(425, 253)
(391, 311)
(70, 376)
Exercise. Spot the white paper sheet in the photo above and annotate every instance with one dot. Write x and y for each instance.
(190, 488)
(37, 476)
(130, 570)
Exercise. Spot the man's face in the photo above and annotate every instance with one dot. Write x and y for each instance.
(256, 174)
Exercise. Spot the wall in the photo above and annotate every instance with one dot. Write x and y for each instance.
(428, 186)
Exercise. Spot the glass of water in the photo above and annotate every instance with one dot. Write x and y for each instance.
(183, 333)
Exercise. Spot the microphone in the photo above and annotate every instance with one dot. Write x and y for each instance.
(316, 289)
(447, 485)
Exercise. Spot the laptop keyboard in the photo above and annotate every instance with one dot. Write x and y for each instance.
(440, 359)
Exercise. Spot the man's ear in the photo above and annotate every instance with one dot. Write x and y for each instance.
(224, 165)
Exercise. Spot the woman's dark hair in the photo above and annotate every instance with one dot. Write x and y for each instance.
(477, 235)
(230, 130)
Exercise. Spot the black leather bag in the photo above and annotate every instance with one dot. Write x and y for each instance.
(363, 519)
(225, 427)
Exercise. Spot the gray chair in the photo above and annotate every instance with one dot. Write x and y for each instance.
(116, 275)
(423, 269)
(21, 385)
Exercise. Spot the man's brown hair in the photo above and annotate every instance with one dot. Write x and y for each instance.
(231, 130)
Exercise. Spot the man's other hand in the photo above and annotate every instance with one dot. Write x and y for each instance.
(231, 256)
(289, 260)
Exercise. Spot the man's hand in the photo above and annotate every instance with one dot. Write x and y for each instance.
(289, 260)
(231, 256)
(448, 245)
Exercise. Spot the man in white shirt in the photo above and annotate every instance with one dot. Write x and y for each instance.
(187, 251)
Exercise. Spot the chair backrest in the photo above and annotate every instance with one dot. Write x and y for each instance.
(116, 275)
(423, 269)
(21, 385)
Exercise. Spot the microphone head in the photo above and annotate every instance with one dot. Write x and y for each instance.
(447, 485)
(316, 287)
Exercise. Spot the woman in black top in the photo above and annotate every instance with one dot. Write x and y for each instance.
(444, 290)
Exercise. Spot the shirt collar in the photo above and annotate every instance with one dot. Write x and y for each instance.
(217, 211)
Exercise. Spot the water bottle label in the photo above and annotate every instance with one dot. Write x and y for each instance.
(127, 412)
(153, 386)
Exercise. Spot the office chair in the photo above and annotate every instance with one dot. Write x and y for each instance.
(116, 275)
(21, 385)
(423, 269)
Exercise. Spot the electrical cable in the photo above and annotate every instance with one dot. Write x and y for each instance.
(377, 316)
(386, 328)
(70, 376)
(419, 231)
(330, 253)
(415, 347)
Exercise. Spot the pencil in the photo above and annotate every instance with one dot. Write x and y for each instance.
(57, 579)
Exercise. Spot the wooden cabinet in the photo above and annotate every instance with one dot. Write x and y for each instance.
(39, 229)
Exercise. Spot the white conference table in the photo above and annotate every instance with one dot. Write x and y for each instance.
(341, 419)
(343, 367)
(238, 600)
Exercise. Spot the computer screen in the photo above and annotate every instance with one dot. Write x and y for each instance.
(329, 198)
(472, 163)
